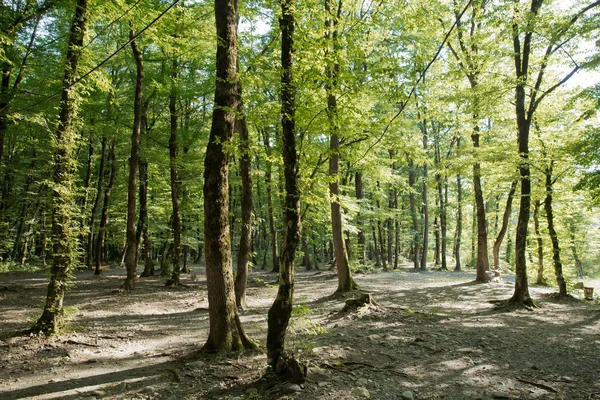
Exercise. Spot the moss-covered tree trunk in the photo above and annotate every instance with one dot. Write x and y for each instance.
(131, 252)
(64, 141)
(226, 333)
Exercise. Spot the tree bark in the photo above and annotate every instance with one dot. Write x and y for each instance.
(65, 137)
(271, 212)
(425, 204)
(143, 221)
(362, 241)
(482, 264)
(131, 253)
(281, 310)
(174, 173)
(110, 176)
(243, 255)
(540, 244)
(412, 182)
(96, 206)
(345, 281)
(226, 333)
(504, 227)
(459, 222)
(558, 268)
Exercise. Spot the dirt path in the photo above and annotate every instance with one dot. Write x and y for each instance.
(436, 336)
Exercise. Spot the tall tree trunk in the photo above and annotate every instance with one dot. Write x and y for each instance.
(540, 244)
(226, 333)
(362, 241)
(243, 255)
(578, 265)
(345, 281)
(109, 175)
(131, 252)
(425, 205)
(412, 183)
(87, 181)
(96, 206)
(558, 269)
(271, 212)
(459, 223)
(482, 263)
(64, 141)
(147, 245)
(173, 167)
(504, 227)
(281, 310)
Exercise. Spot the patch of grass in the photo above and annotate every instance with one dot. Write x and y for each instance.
(301, 310)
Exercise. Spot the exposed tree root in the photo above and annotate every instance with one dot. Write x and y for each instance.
(366, 300)
(513, 304)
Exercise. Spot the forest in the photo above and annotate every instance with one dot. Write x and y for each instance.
(299, 199)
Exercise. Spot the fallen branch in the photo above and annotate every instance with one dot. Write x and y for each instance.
(539, 385)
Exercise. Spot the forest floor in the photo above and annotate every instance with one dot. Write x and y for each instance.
(435, 336)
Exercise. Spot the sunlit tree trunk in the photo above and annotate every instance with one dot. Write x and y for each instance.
(504, 227)
(226, 333)
(540, 244)
(558, 268)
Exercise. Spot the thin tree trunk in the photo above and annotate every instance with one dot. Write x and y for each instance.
(173, 167)
(425, 205)
(64, 140)
(271, 212)
(459, 223)
(540, 245)
(96, 206)
(109, 175)
(412, 183)
(147, 245)
(226, 333)
(131, 253)
(362, 241)
(578, 265)
(243, 255)
(558, 269)
(504, 227)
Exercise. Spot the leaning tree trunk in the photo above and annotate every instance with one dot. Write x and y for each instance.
(64, 141)
(345, 281)
(131, 253)
(281, 310)
(175, 200)
(241, 278)
(558, 269)
(226, 333)
(504, 227)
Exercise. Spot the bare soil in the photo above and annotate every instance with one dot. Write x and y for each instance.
(434, 334)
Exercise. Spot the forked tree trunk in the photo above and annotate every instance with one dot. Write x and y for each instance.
(504, 227)
(226, 333)
(174, 173)
(109, 175)
(65, 137)
(281, 310)
(131, 253)
(345, 281)
(558, 269)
